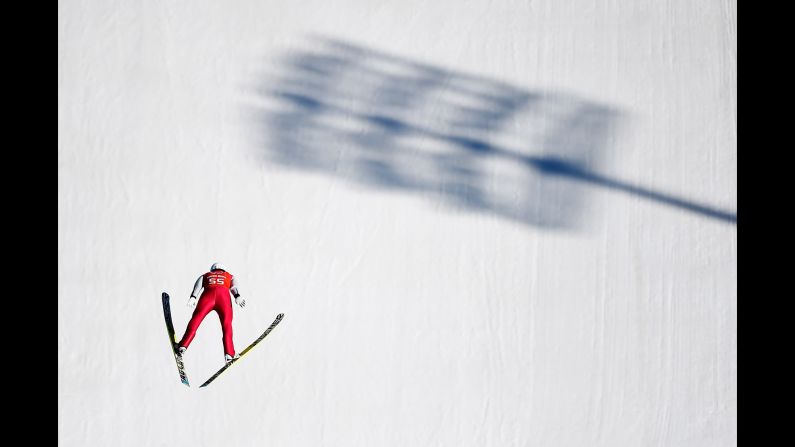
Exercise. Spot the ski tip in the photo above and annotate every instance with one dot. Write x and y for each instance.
(165, 295)
(280, 316)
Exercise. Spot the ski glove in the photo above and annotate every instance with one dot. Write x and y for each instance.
(192, 301)
(240, 301)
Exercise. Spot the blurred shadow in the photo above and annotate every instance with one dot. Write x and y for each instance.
(463, 141)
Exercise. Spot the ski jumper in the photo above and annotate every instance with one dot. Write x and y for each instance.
(216, 284)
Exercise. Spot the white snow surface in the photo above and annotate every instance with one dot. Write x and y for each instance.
(487, 223)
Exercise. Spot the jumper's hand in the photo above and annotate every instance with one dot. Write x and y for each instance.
(240, 301)
(192, 301)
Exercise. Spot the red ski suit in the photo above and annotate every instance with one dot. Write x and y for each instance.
(215, 297)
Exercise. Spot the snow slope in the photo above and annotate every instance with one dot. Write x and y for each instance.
(488, 223)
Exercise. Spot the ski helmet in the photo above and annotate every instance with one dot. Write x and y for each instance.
(217, 266)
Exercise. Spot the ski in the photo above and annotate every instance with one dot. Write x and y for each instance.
(243, 352)
(172, 339)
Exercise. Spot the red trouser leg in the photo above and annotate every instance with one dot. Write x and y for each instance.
(223, 306)
(203, 307)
